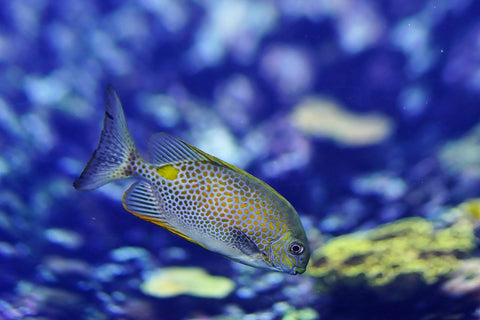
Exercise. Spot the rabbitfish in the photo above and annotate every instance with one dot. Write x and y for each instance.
(198, 197)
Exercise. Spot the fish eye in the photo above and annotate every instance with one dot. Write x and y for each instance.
(296, 248)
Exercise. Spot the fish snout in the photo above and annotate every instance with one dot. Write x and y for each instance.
(298, 270)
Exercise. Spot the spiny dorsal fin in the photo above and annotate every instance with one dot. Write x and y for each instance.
(164, 148)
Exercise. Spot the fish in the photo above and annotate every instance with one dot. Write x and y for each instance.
(197, 196)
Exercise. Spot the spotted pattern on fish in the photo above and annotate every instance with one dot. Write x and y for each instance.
(217, 201)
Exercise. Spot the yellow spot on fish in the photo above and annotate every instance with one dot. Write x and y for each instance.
(168, 172)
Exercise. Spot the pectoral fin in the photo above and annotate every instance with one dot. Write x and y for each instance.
(245, 244)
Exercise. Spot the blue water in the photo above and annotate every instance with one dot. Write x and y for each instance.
(226, 76)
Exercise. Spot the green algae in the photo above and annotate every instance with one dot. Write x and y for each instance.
(471, 208)
(300, 314)
(394, 260)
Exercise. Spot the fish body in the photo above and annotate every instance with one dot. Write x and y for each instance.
(198, 197)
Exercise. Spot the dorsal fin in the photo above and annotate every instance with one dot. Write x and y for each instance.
(164, 148)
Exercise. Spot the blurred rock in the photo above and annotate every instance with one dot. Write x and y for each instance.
(381, 184)
(289, 70)
(67, 266)
(462, 156)
(465, 281)
(66, 238)
(231, 27)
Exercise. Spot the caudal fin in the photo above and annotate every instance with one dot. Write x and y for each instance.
(116, 145)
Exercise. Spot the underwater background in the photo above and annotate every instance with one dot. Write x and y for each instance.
(365, 115)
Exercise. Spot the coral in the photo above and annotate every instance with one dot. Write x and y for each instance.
(280, 310)
(322, 117)
(394, 260)
(471, 208)
(170, 282)
(301, 314)
(465, 281)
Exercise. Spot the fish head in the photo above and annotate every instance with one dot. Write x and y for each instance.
(290, 253)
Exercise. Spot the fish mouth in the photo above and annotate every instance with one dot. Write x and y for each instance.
(292, 271)
(298, 270)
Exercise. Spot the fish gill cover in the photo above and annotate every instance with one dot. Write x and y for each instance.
(360, 113)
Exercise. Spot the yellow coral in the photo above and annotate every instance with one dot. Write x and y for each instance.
(323, 117)
(405, 254)
(169, 282)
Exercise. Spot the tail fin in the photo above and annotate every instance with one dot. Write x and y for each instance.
(116, 145)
